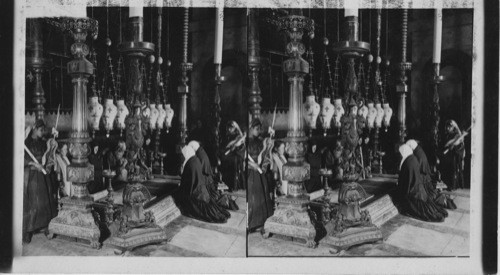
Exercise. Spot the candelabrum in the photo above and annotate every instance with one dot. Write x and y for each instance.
(75, 218)
(37, 64)
(183, 88)
(402, 88)
(291, 217)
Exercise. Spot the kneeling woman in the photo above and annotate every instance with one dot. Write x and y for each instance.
(412, 195)
(193, 197)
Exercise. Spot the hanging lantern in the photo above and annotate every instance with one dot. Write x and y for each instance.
(372, 114)
(154, 115)
(170, 115)
(95, 110)
(339, 112)
(161, 116)
(122, 113)
(110, 112)
(380, 115)
(327, 111)
(311, 111)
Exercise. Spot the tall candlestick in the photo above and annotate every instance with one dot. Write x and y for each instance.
(219, 31)
(136, 8)
(438, 33)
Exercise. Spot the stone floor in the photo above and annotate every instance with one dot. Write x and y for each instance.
(187, 237)
(402, 236)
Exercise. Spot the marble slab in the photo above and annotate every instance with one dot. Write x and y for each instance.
(464, 223)
(238, 248)
(425, 241)
(462, 202)
(458, 246)
(203, 241)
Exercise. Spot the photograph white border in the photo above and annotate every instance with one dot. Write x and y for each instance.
(379, 265)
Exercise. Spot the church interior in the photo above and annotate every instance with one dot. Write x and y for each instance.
(234, 132)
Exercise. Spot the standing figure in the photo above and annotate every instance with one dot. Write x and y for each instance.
(233, 158)
(193, 197)
(452, 165)
(279, 160)
(260, 206)
(315, 159)
(40, 199)
(412, 196)
(62, 162)
(96, 159)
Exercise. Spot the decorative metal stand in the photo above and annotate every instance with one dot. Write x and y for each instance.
(37, 64)
(402, 88)
(75, 218)
(136, 226)
(291, 217)
(349, 226)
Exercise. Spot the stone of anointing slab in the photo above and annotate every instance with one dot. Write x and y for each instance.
(462, 202)
(464, 223)
(203, 240)
(418, 239)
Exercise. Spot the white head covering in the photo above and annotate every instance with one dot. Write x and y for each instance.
(412, 143)
(188, 152)
(194, 144)
(405, 152)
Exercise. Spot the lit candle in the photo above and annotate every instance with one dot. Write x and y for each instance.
(219, 31)
(438, 33)
(136, 9)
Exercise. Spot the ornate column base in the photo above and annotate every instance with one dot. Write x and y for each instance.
(291, 218)
(134, 238)
(75, 220)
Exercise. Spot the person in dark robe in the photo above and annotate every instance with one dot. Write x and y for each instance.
(260, 205)
(428, 178)
(40, 186)
(212, 184)
(315, 158)
(452, 163)
(412, 196)
(193, 197)
(233, 158)
(117, 162)
(96, 159)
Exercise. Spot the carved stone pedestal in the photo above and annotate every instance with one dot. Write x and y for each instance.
(75, 219)
(133, 238)
(291, 218)
(351, 236)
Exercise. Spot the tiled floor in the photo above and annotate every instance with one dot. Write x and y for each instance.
(403, 236)
(187, 237)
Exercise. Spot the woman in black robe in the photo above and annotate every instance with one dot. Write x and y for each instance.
(212, 184)
(452, 164)
(233, 157)
(429, 182)
(40, 190)
(193, 197)
(413, 198)
(315, 158)
(260, 205)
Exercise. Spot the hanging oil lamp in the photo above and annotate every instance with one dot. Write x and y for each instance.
(337, 100)
(311, 107)
(387, 109)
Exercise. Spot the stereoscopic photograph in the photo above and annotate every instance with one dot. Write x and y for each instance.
(259, 134)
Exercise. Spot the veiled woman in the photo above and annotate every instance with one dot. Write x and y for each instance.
(260, 206)
(412, 195)
(212, 184)
(40, 185)
(452, 164)
(429, 182)
(193, 197)
(233, 157)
